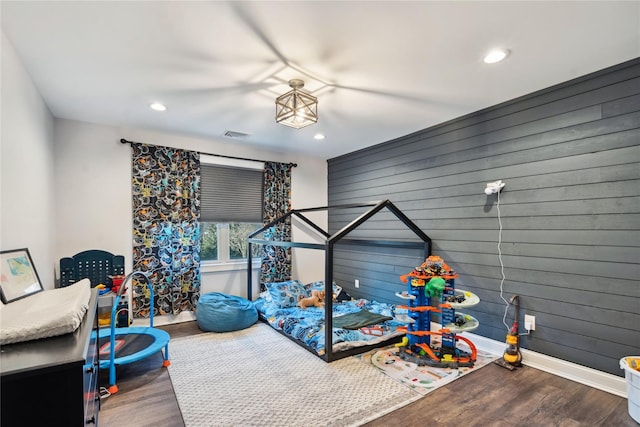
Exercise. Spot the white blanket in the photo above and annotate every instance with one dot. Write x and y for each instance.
(44, 314)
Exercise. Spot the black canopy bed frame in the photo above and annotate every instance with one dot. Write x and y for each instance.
(423, 242)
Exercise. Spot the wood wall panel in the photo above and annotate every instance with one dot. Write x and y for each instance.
(542, 99)
(570, 213)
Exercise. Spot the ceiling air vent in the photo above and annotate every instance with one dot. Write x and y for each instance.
(234, 134)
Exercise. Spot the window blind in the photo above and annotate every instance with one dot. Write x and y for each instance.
(230, 194)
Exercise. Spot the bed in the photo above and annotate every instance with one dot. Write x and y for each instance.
(356, 322)
(351, 323)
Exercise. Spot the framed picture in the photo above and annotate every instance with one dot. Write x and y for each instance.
(18, 276)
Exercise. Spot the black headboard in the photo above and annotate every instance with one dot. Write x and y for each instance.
(96, 265)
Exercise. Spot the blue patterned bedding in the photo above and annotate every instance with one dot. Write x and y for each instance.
(278, 306)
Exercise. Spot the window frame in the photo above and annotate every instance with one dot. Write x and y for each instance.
(224, 261)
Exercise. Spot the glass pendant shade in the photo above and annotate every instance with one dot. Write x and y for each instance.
(296, 108)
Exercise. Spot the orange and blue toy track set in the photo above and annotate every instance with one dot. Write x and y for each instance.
(431, 289)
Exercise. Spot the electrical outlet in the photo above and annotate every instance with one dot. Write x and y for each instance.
(529, 322)
(357, 283)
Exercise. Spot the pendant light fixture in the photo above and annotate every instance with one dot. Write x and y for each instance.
(296, 108)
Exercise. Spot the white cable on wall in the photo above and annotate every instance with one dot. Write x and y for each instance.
(495, 188)
(506, 307)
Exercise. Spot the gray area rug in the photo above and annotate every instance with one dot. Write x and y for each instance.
(257, 377)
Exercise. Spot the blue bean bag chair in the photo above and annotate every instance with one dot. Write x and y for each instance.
(218, 312)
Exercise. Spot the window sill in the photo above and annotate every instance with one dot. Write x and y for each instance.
(221, 266)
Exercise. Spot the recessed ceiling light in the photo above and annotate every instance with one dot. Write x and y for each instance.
(158, 106)
(318, 136)
(496, 55)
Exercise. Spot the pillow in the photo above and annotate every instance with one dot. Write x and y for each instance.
(285, 294)
(265, 295)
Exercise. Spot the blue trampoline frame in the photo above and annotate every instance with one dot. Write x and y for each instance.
(160, 337)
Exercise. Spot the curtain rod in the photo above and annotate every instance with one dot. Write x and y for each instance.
(295, 165)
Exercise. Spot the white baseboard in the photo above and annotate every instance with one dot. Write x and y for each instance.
(167, 319)
(572, 371)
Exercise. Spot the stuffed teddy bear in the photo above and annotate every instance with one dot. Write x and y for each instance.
(315, 300)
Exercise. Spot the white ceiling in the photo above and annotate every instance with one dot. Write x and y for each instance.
(388, 68)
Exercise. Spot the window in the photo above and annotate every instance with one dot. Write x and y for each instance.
(208, 241)
(230, 210)
(224, 242)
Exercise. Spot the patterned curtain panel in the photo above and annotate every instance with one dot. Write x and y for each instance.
(276, 260)
(166, 231)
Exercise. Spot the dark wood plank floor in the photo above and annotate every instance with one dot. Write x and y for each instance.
(491, 396)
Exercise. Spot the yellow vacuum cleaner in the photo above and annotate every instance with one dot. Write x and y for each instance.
(512, 357)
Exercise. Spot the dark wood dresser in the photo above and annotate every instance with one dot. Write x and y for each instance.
(52, 381)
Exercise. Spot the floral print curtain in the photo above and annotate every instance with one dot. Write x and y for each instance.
(166, 232)
(276, 260)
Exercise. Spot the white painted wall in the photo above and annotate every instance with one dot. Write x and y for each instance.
(65, 185)
(93, 190)
(26, 166)
(93, 208)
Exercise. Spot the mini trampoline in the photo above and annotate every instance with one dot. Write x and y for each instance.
(130, 344)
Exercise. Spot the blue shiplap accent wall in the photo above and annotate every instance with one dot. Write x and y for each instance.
(570, 157)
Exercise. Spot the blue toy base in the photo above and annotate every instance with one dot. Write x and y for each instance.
(461, 358)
